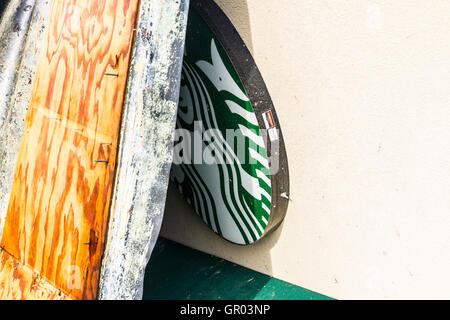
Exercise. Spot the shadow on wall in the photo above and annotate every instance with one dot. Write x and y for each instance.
(237, 11)
(181, 224)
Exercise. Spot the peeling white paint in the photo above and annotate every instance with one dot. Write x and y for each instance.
(146, 147)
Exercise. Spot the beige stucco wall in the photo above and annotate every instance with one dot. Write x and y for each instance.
(362, 90)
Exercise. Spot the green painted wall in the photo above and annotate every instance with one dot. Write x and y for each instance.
(177, 272)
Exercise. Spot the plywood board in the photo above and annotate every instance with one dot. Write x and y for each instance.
(19, 282)
(59, 206)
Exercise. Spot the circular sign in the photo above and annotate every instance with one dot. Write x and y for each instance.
(229, 161)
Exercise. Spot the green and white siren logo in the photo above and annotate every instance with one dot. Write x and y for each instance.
(220, 160)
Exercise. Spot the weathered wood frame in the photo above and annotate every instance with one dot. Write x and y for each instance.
(145, 151)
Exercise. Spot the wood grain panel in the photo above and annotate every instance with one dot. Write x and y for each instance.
(19, 282)
(60, 201)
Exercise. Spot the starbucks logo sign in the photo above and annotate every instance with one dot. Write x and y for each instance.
(229, 161)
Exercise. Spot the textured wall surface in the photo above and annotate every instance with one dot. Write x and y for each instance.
(362, 92)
